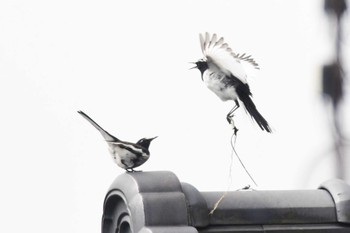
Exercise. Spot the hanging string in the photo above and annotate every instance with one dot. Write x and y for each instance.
(233, 144)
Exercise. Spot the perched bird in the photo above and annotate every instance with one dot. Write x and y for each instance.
(126, 155)
(222, 72)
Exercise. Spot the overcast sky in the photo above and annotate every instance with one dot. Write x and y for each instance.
(126, 64)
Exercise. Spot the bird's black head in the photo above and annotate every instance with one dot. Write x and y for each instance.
(145, 142)
(202, 66)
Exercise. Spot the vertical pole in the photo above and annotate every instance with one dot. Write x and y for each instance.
(333, 85)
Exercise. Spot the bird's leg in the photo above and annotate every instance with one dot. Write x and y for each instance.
(132, 170)
(230, 115)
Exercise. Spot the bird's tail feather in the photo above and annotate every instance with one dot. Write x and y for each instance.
(254, 113)
(107, 136)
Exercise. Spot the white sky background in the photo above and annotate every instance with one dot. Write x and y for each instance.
(125, 63)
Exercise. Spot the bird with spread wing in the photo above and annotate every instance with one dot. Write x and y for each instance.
(223, 73)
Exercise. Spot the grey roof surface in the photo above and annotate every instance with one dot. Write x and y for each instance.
(155, 202)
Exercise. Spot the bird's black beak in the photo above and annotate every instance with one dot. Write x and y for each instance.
(194, 66)
(151, 139)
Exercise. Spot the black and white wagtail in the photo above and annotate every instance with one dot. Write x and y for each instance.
(222, 72)
(126, 155)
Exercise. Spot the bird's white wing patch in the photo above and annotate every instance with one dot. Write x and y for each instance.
(218, 53)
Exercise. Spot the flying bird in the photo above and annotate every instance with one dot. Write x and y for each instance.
(126, 155)
(222, 72)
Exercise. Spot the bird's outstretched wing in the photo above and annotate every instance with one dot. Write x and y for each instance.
(247, 58)
(107, 136)
(218, 53)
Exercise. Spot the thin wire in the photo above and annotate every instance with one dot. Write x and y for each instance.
(229, 181)
(231, 165)
(239, 159)
(230, 173)
(218, 203)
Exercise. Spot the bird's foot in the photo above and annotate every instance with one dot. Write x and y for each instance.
(230, 120)
(132, 170)
(235, 130)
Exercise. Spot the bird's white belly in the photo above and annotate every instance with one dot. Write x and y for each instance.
(119, 155)
(126, 159)
(215, 84)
